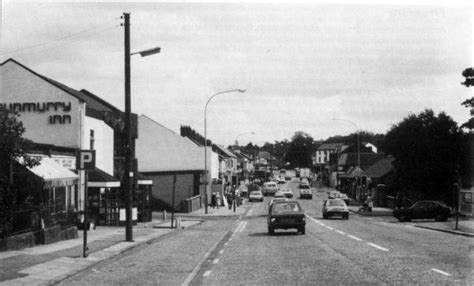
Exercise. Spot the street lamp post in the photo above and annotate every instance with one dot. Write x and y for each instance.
(205, 140)
(129, 148)
(358, 142)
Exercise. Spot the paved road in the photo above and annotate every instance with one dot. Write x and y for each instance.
(358, 251)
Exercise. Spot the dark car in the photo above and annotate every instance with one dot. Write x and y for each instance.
(424, 210)
(286, 215)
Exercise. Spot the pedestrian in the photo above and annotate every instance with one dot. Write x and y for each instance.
(218, 199)
(229, 199)
(213, 200)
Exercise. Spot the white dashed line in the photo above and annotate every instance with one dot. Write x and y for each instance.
(226, 243)
(222, 251)
(207, 273)
(377, 246)
(341, 232)
(243, 226)
(250, 212)
(328, 227)
(215, 261)
(440, 272)
(355, 237)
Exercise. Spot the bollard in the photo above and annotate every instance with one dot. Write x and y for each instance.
(164, 215)
(178, 222)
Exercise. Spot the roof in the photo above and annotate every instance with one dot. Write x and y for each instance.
(366, 159)
(53, 174)
(380, 168)
(265, 155)
(329, 146)
(159, 149)
(59, 85)
(224, 151)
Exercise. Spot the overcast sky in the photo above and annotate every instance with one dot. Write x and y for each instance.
(301, 64)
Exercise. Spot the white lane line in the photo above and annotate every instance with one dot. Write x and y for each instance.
(222, 251)
(354, 237)
(377, 246)
(243, 226)
(341, 232)
(316, 221)
(440, 272)
(328, 227)
(207, 273)
(226, 243)
(215, 261)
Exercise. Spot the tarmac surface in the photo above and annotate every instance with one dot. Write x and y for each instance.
(49, 264)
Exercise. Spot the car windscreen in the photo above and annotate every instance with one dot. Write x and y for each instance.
(255, 193)
(286, 207)
(304, 186)
(336, 203)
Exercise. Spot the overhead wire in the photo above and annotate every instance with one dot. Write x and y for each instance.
(61, 39)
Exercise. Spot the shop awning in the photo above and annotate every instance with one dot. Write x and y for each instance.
(53, 174)
(101, 179)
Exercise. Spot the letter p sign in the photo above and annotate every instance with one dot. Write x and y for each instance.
(85, 160)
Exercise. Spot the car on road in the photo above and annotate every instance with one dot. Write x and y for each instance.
(281, 180)
(304, 185)
(436, 210)
(306, 193)
(269, 188)
(335, 207)
(286, 215)
(287, 178)
(333, 194)
(256, 196)
(343, 197)
(287, 192)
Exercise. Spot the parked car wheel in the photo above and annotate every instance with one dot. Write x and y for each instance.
(271, 230)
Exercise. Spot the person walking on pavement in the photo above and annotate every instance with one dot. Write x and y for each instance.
(218, 199)
(229, 199)
(213, 200)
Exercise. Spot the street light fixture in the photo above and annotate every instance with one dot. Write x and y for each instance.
(205, 139)
(358, 142)
(129, 149)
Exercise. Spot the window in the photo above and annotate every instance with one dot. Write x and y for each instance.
(467, 198)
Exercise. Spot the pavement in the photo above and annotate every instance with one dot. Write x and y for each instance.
(51, 263)
(465, 225)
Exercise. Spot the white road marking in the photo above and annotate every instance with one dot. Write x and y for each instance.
(328, 227)
(250, 212)
(377, 246)
(222, 251)
(355, 237)
(226, 243)
(341, 232)
(215, 261)
(207, 273)
(243, 226)
(441, 272)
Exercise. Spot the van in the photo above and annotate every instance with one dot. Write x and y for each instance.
(269, 188)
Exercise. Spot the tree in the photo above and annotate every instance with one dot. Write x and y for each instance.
(12, 147)
(300, 150)
(428, 155)
(469, 103)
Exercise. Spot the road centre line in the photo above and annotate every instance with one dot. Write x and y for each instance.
(341, 232)
(249, 213)
(377, 246)
(243, 226)
(207, 273)
(215, 261)
(222, 251)
(328, 227)
(440, 272)
(354, 237)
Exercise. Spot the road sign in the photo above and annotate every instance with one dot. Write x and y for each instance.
(85, 160)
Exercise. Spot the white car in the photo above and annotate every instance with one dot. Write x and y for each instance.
(269, 188)
(288, 193)
(256, 196)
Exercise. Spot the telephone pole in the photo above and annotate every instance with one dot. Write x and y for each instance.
(128, 172)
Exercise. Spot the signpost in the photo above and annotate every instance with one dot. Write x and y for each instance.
(85, 160)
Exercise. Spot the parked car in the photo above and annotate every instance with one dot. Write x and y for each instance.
(335, 207)
(281, 180)
(424, 210)
(269, 188)
(286, 215)
(287, 178)
(288, 193)
(343, 197)
(256, 196)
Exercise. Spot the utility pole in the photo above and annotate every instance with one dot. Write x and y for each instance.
(128, 173)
